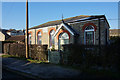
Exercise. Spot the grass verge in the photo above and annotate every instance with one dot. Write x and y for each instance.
(21, 58)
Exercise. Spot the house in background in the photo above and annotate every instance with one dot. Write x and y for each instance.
(3, 35)
(114, 32)
(81, 29)
(18, 39)
(10, 35)
(13, 32)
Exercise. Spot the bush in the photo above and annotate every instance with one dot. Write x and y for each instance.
(38, 52)
(93, 55)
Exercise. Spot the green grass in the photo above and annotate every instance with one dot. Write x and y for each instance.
(7, 56)
(30, 60)
(37, 61)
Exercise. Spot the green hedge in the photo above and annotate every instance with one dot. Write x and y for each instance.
(36, 52)
(93, 55)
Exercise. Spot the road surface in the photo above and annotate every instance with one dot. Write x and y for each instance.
(8, 75)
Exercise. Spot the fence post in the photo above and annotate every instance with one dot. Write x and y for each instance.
(61, 57)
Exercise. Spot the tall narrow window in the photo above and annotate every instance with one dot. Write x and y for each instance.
(63, 39)
(51, 38)
(29, 38)
(39, 41)
(89, 35)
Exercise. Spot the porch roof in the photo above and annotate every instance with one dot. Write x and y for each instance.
(68, 27)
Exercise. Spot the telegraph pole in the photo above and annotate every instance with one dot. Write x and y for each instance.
(27, 49)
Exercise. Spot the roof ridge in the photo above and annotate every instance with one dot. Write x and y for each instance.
(58, 21)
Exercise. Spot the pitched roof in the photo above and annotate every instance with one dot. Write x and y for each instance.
(71, 29)
(4, 31)
(71, 20)
(11, 30)
(57, 22)
(68, 27)
(16, 38)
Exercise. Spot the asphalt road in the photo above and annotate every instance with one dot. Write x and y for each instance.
(8, 75)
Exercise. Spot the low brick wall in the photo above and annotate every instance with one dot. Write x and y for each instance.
(38, 52)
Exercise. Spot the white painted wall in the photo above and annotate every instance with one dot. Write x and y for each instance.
(2, 37)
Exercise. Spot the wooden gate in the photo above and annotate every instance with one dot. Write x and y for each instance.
(54, 57)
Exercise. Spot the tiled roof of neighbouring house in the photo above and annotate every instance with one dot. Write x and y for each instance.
(16, 38)
(68, 20)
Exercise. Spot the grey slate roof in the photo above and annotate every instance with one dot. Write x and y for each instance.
(57, 22)
(71, 29)
(70, 20)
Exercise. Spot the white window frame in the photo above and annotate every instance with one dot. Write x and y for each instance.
(50, 36)
(40, 38)
(89, 31)
(30, 40)
(61, 38)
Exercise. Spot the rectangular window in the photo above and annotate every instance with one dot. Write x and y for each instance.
(90, 38)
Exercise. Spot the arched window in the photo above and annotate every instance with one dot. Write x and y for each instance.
(39, 35)
(89, 35)
(63, 39)
(29, 38)
(51, 39)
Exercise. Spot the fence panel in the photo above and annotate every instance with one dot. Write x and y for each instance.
(54, 57)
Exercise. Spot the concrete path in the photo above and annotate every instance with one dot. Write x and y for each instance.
(43, 71)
